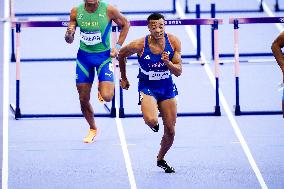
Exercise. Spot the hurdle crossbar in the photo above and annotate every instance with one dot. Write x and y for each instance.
(217, 112)
(236, 22)
(259, 9)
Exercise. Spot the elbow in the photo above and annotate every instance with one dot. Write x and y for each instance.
(126, 25)
(274, 46)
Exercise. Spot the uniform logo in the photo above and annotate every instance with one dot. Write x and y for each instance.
(80, 16)
(147, 57)
(101, 15)
(108, 74)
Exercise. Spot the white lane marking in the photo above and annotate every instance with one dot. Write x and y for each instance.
(125, 150)
(6, 62)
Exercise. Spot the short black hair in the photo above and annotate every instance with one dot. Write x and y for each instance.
(155, 16)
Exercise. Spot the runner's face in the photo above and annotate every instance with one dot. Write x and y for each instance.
(91, 1)
(157, 28)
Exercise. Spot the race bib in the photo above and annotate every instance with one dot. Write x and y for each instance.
(91, 38)
(158, 75)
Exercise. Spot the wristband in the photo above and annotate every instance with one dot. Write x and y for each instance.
(117, 46)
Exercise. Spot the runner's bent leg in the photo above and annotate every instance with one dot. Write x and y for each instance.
(150, 111)
(106, 89)
(168, 110)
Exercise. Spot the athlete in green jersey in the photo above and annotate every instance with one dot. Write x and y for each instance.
(94, 18)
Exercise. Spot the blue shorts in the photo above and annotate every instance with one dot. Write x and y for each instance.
(161, 89)
(86, 64)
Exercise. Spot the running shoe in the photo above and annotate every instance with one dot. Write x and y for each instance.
(163, 164)
(90, 137)
(155, 128)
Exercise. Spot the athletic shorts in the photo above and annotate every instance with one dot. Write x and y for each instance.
(161, 89)
(86, 64)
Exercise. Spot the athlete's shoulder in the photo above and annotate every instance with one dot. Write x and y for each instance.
(172, 37)
(137, 44)
(74, 9)
(113, 12)
(73, 13)
(174, 40)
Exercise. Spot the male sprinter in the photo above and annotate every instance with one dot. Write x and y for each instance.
(159, 56)
(94, 18)
(276, 47)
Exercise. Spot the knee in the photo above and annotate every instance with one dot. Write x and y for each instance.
(84, 100)
(170, 133)
(108, 96)
(151, 121)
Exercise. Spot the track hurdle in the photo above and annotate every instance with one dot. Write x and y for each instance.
(228, 55)
(236, 22)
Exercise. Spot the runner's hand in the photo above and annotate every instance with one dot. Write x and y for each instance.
(165, 57)
(114, 51)
(69, 35)
(124, 83)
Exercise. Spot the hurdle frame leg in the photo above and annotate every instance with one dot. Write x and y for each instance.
(216, 66)
(18, 62)
(237, 107)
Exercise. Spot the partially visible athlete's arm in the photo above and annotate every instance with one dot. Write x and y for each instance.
(175, 65)
(69, 35)
(135, 46)
(276, 47)
(115, 15)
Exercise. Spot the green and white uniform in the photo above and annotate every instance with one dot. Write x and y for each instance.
(94, 51)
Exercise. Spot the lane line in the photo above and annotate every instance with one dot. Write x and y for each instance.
(6, 61)
(225, 105)
(125, 150)
(118, 121)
